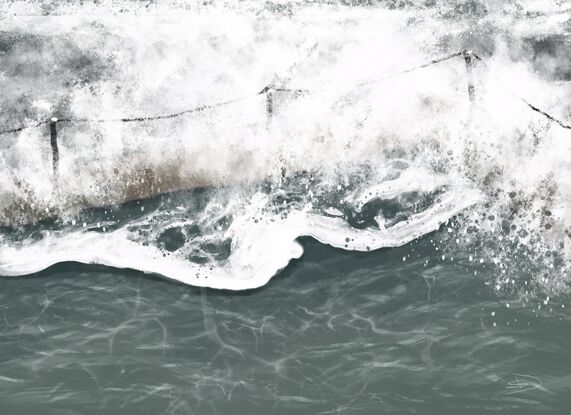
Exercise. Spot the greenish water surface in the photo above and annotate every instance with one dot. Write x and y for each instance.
(336, 332)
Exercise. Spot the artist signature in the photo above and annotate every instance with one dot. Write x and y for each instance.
(524, 383)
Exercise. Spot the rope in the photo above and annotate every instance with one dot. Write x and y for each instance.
(200, 108)
(267, 89)
(414, 68)
(373, 81)
(23, 127)
(203, 108)
(545, 114)
(527, 103)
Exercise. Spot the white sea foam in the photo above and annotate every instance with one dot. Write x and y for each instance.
(416, 133)
(260, 247)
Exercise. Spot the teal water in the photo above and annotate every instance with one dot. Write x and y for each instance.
(336, 332)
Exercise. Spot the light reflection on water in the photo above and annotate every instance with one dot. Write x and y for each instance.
(336, 332)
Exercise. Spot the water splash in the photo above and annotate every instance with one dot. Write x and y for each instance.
(358, 169)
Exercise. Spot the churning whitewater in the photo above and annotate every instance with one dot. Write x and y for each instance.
(349, 155)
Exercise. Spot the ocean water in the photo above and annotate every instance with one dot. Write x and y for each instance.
(335, 332)
(379, 244)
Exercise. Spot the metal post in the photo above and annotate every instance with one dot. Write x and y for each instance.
(469, 59)
(270, 92)
(53, 143)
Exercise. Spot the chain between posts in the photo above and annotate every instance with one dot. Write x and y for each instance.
(271, 93)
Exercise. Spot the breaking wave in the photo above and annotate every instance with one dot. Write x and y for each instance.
(359, 168)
